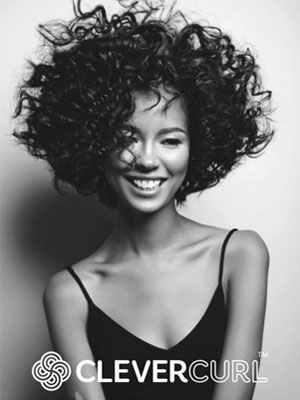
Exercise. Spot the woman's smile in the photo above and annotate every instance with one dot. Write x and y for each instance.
(146, 185)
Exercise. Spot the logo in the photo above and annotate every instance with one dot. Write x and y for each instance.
(51, 371)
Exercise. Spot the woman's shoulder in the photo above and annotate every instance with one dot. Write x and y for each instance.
(63, 288)
(60, 289)
(247, 243)
(247, 239)
(245, 248)
(246, 256)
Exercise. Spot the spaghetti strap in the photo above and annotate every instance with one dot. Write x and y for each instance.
(223, 253)
(81, 285)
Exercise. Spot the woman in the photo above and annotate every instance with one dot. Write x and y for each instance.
(141, 110)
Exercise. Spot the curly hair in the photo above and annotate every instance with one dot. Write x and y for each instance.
(76, 101)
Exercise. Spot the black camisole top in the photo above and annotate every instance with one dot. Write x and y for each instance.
(109, 341)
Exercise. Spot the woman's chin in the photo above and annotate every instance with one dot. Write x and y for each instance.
(146, 205)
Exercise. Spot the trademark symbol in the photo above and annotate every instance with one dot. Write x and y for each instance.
(263, 354)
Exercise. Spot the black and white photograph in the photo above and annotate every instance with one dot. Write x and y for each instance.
(150, 184)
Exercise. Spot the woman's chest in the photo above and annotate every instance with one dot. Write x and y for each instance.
(160, 308)
(114, 338)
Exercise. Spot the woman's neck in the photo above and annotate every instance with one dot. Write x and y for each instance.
(143, 234)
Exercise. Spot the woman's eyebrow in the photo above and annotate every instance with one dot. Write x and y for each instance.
(171, 129)
(162, 131)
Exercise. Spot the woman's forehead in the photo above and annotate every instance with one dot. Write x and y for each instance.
(157, 101)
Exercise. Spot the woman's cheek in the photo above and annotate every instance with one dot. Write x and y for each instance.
(178, 160)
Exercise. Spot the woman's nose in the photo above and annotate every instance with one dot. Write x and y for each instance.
(146, 157)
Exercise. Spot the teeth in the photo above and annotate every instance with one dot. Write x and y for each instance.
(147, 184)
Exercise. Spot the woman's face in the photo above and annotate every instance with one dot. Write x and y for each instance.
(161, 151)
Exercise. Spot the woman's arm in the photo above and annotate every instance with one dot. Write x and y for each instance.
(66, 312)
(247, 262)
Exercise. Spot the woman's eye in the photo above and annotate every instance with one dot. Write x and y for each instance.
(171, 142)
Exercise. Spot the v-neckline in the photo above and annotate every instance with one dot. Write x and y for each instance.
(218, 289)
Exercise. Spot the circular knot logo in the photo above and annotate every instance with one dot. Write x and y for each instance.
(51, 371)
